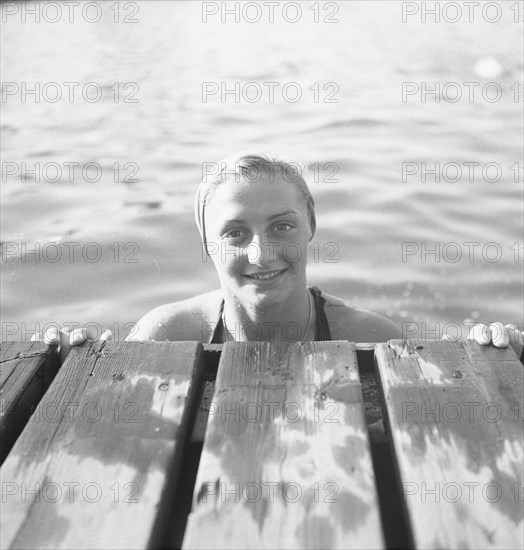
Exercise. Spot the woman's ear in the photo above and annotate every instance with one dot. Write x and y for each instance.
(312, 225)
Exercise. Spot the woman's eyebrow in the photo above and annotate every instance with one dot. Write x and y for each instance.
(237, 220)
(283, 214)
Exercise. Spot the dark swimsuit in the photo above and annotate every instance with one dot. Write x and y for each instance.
(322, 332)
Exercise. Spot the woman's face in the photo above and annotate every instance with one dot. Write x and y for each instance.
(257, 235)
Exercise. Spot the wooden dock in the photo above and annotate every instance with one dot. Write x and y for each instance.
(406, 444)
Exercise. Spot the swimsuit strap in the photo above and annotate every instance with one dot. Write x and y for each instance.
(219, 334)
(322, 332)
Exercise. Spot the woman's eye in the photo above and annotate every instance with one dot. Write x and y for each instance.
(283, 227)
(233, 234)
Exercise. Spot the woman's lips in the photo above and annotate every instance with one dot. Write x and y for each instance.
(265, 275)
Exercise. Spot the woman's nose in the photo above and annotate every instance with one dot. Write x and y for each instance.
(260, 251)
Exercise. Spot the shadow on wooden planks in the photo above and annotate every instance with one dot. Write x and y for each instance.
(26, 372)
(114, 452)
(454, 412)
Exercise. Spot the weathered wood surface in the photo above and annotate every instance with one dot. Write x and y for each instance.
(26, 371)
(286, 461)
(365, 359)
(101, 458)
(455, 414)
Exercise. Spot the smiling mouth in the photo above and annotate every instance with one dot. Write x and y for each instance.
(265, 276)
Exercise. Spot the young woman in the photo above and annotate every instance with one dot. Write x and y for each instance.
(256, 217)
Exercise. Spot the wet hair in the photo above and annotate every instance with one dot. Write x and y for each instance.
(250, 167)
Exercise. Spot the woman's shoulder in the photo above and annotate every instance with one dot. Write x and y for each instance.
(356, 324)
(191, 319)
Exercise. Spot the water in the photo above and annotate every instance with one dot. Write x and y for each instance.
(365, 212)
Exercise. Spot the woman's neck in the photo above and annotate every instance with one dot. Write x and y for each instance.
(291, 320)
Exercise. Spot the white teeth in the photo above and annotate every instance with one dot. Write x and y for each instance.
(266, 276)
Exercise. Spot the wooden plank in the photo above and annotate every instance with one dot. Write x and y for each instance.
(286, 461)
(372, 403)
(366, 368)
(26, 371)
(102, 457)
(455, 415)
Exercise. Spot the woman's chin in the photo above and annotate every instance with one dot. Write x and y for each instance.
(256, 292)
(257, 295)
